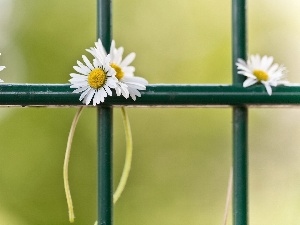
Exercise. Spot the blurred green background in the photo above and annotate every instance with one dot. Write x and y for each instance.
(182, 156)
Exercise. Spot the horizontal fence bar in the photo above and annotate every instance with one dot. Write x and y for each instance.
(155, 95)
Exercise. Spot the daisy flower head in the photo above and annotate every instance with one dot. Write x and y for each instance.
(263, 70)
(93, 80)
(1, 68)
(128, 84)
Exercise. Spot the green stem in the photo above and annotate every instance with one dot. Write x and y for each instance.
(66, 165)
(127, 164)
(128, 157)
(228, 197)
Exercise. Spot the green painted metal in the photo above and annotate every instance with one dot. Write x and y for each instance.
(155, 95)
(105, 127)
(240, 118)
(240, 170)
(239, 37)
(105, 205)
(104, 22)
(165, 95)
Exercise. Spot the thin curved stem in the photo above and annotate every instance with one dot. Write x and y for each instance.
(66, 165)
(128, 157)
(228, 197)
(127, 164)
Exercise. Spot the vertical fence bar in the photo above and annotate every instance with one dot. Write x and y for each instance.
(105, 206)
(105, 123)
(104, 22)
(240, 118)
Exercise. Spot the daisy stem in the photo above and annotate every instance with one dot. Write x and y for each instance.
(128, 157)
(127, 164)
(228, 197)
(66, 165)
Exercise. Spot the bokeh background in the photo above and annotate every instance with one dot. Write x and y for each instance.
(182, 156)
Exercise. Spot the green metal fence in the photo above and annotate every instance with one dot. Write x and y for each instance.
(234, 96)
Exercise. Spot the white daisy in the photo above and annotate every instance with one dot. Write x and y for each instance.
(128, 85)
(258, 69)
(2, 68)
(94, 79)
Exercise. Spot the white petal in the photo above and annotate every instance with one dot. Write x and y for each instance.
(107, 89)
(255, 61)
(81, 70)
(81, 89)
(75, 80)
(75, 75)
(111, 72)
(89, 96)
(128, 59)
(107, 60)
(273, 68)
(118, 90)
(96, 63)
(268, 88)
(102, 94)
(118, 55)
(112, 50)
(82, 96)
(134, 79)
(128, 69)
(2, 68)
(242, 62)
(124, 89)
(82, 66)
(112, 83)
(268, 62)
(93, 51)
(94, 99)
(97, 98)
(133, 93)
(87, 62)
(249, 82)
(78, 78)
(100, 48)
(79, 84)
(242, 67)
(125, 92)
(247, 74)
(136, 85)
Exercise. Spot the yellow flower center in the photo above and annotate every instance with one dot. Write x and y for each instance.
(261, 75)
(119, 72)
(97, 78)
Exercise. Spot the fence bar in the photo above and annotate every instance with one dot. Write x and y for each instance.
(104, 12)
(240, 118)
(155, 95)
(105, 206)
(105, 128)
(240, 165)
